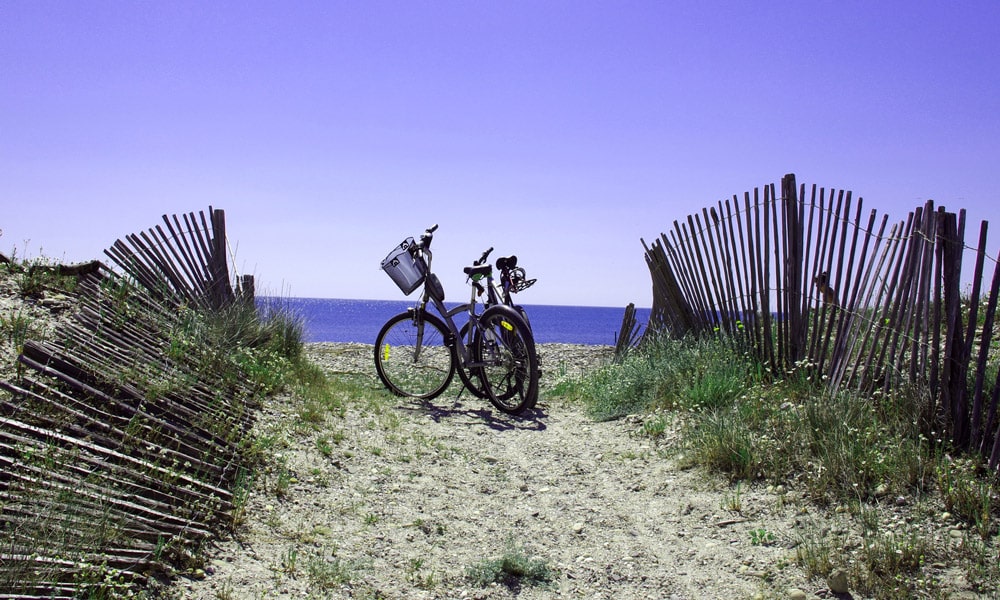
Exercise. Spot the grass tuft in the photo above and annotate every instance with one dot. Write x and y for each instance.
(514, 568)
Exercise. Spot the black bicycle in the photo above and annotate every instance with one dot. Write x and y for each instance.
(512, 280)
(417, 352)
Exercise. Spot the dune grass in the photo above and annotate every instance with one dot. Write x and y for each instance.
(843, 450)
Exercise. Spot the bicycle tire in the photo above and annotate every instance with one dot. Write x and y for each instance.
(472, 378)
(538, 362)
(410, 369)
(524, 315)
(503, 342)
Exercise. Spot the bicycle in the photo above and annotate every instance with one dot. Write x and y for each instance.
(512, 280)
(417, 353)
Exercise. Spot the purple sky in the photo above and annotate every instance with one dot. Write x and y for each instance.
(562, 132)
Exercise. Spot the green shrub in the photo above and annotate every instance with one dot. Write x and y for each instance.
(513, 569)
(663, 373)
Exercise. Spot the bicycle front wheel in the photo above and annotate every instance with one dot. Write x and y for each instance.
(412, 355)
(503, 344)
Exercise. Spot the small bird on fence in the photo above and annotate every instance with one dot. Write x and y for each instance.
(829, 294)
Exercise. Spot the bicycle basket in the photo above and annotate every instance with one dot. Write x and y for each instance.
(405, 269)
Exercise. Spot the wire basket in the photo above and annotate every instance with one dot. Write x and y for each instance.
(405, 269)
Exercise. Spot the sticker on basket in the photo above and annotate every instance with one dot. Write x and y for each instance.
(507, 326)
(385, 352)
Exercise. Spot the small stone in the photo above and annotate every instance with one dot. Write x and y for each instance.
(837, 581)
(796, 594)
(578, 528)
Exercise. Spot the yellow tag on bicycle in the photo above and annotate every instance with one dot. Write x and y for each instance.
(507, 325)
(385, 352)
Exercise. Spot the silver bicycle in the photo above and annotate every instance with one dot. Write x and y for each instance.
(418, 352)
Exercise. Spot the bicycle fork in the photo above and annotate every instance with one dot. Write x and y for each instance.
(418, 323)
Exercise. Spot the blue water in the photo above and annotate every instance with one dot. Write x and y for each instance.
(329, 320)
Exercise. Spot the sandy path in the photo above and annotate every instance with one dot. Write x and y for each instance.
(398, 499)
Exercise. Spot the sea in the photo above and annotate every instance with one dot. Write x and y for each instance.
(335, 320)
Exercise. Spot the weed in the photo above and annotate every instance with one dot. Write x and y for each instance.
(241, 496)
(717, 387)
(892, 561)
(966, 494)
(733, 500)
(324, 447)
(39, 275)
(290, 560)
(225, 591)
(283, 482)
(18, 327)
(513, 569)
(654, 427)
(723, 441)
(814, 553)
(420, 577)
(761, 537)
(327, 572)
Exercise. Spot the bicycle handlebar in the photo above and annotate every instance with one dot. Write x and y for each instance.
(427, 236)
(482, 259)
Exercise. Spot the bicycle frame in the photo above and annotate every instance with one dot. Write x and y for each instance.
(437, 301)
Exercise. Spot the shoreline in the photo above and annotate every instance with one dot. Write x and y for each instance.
(559, 362)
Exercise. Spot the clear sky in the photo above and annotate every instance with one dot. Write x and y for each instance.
(560, 131)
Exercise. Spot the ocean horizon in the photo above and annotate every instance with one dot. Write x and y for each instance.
(359, 321)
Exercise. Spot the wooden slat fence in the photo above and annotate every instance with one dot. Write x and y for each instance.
(183, 265)
(119, 451)
(805, 279)
(629, 335)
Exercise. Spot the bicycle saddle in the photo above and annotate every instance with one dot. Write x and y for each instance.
(507, 262)
(478, 270)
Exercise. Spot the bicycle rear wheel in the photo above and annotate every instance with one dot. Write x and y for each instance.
(412, 355)
(504, 345)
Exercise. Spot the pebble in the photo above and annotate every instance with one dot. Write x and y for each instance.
(837, 581)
